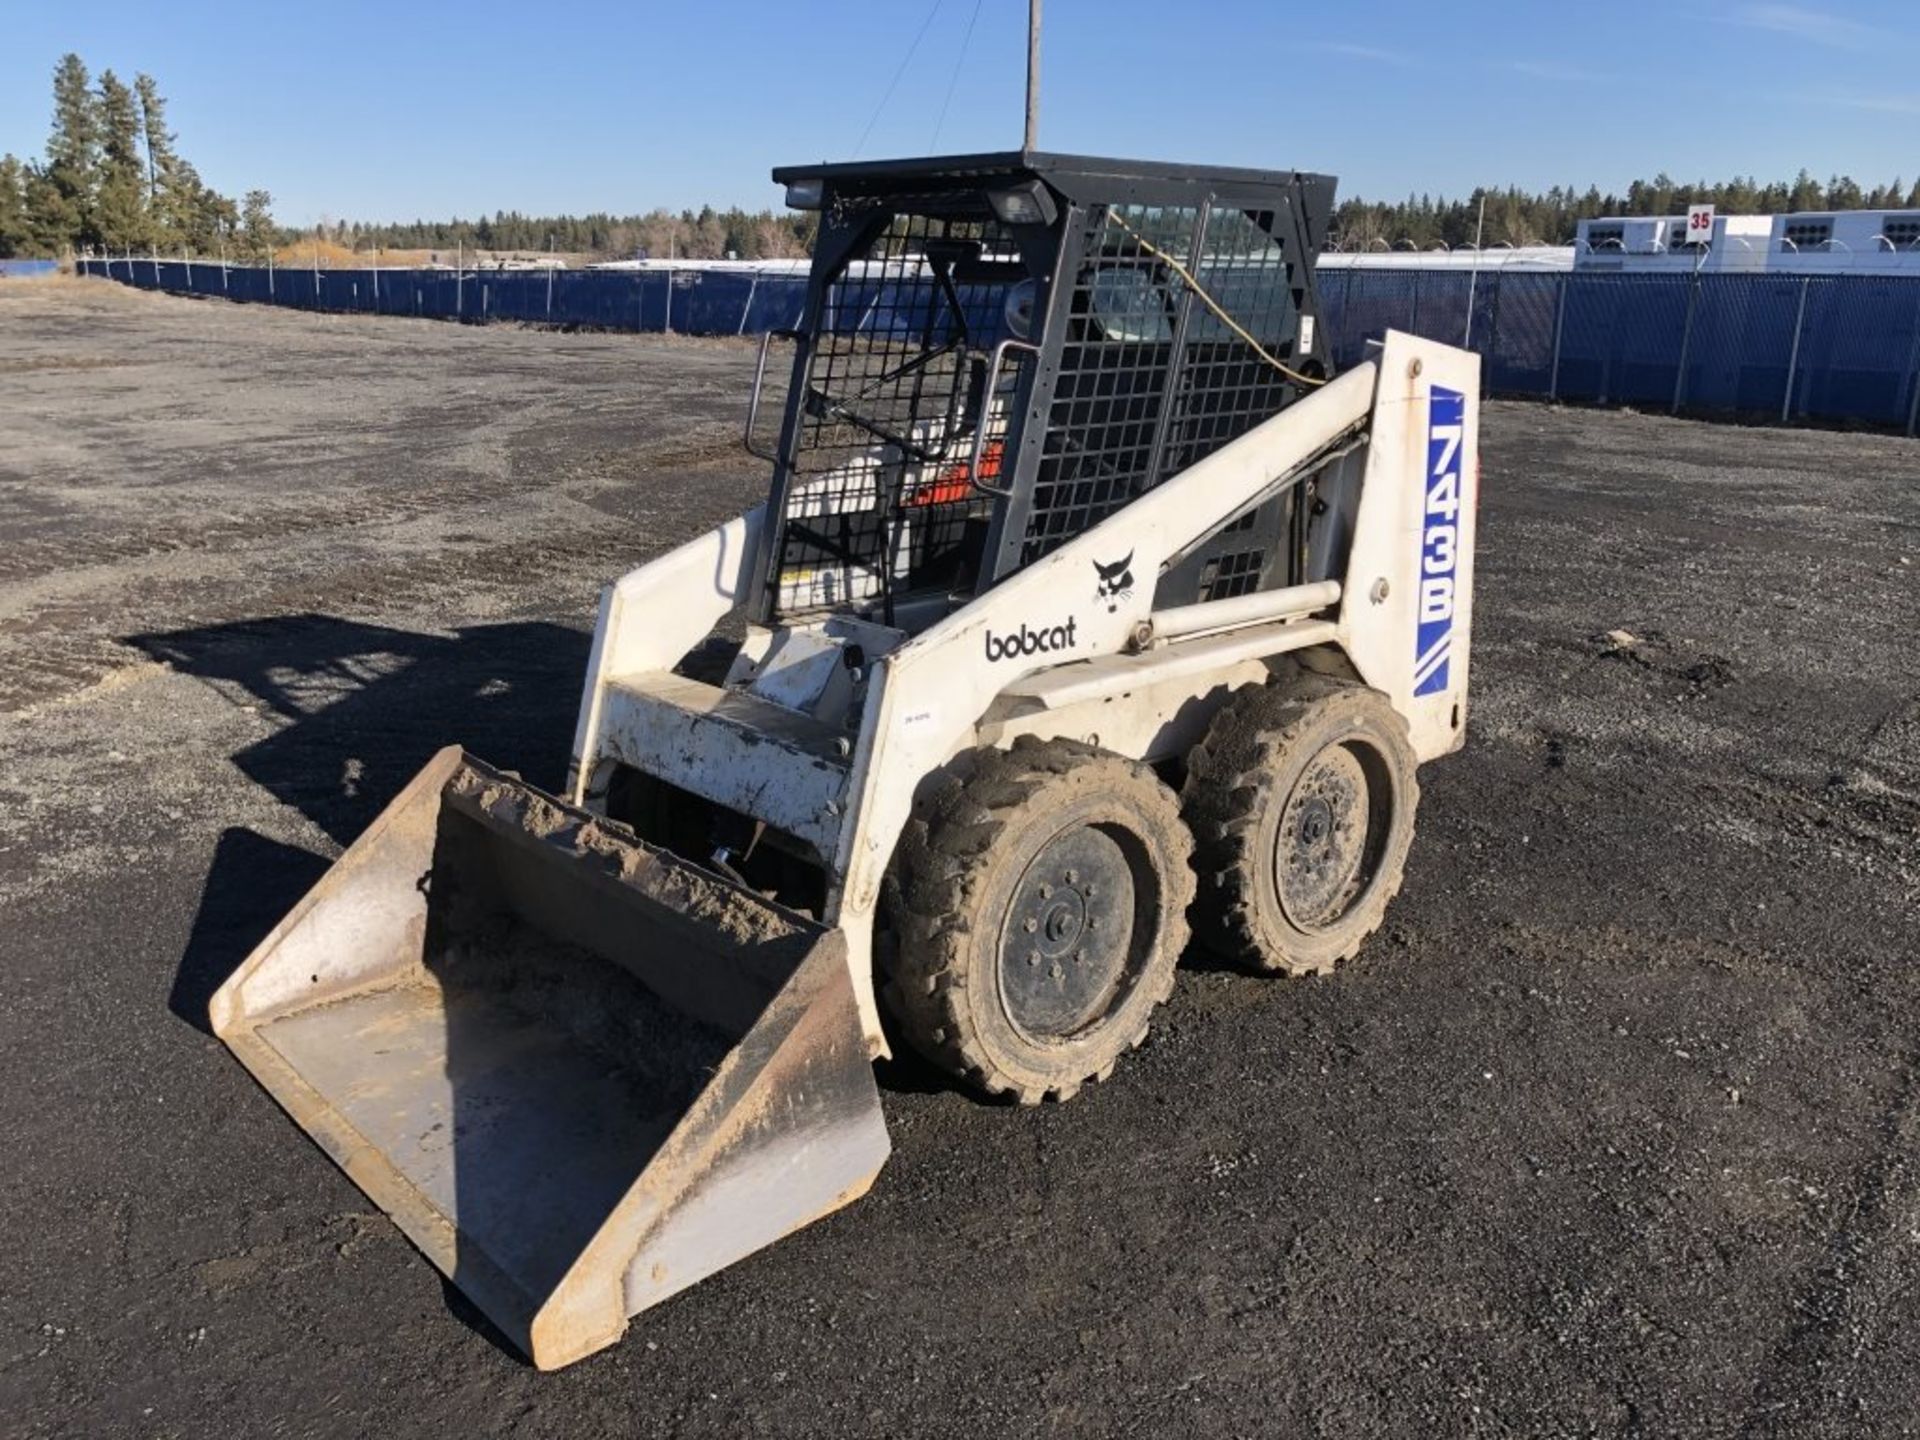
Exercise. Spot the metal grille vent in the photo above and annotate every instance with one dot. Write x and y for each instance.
(1235, 573)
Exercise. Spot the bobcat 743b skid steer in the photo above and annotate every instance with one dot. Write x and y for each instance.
(1084, 597)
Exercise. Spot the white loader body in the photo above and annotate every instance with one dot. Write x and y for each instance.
(1070, 646)
(1083, 610)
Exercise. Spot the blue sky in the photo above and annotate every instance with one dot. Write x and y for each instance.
(387, 111)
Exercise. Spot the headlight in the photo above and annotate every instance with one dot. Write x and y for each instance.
(1028, 204)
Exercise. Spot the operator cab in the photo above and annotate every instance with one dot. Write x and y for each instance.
(997, 352)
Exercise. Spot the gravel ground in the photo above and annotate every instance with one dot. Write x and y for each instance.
(1615, 1130)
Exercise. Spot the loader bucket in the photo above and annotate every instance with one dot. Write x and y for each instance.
(580, 1073)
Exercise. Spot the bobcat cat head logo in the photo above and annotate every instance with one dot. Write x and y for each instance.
(1116, 581)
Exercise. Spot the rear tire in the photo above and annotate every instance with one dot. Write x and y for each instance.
(1039, 908)
(1301, 800)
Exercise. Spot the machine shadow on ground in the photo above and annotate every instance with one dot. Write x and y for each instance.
(527, 1084)
(363, 707)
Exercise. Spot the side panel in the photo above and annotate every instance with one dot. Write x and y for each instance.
(1406, 618)
(735, 749)
(651, 617)
(1086, 599)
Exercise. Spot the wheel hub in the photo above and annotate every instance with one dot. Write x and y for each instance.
(1322, 839)
(1065, 943)
(1316, 822)
(1065, 921)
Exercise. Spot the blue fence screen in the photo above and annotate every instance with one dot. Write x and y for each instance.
(1821, 347)
(20, 268)
(688, 302)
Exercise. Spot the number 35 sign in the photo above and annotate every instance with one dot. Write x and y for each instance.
(1699, 224)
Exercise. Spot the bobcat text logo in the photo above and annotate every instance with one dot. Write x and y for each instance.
(1116, 581)
(1027, 641)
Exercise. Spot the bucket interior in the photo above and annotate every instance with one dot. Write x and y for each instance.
(530, 1037)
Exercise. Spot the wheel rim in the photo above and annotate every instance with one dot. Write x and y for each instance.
(1068, 944)
(1331, 836)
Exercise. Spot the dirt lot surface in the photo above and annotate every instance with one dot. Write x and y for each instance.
(1615, 1130)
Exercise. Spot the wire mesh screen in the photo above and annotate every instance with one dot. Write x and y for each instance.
(880, 501)
(1112, 379)
(1225, 387)
(1152, 379)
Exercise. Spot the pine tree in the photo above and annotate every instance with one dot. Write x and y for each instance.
(256, 225)
(63, 205)
(16, 235)
(202, 216)
(120, 200)
(48, 214)
(162, 160)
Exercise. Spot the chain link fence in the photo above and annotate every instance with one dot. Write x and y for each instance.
(1833, 347)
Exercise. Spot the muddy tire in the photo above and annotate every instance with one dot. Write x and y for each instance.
(1301, 800)
(1039, 906)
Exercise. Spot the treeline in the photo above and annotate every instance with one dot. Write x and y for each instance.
(112, 179)
(705, 234)
(1514, 217)
(1520, 217)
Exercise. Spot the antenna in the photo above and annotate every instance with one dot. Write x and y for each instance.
(1033, 75)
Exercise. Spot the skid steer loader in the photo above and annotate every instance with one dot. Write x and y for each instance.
(1084, 595)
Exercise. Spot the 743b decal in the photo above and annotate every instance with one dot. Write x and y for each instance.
(1439, 541)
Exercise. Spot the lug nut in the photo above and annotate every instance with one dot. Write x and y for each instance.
(1032, 925)
(1034, 958)
(1046, 892)
(1072, 876)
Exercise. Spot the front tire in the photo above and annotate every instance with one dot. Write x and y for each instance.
(1040, 910)
(1301, 800)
